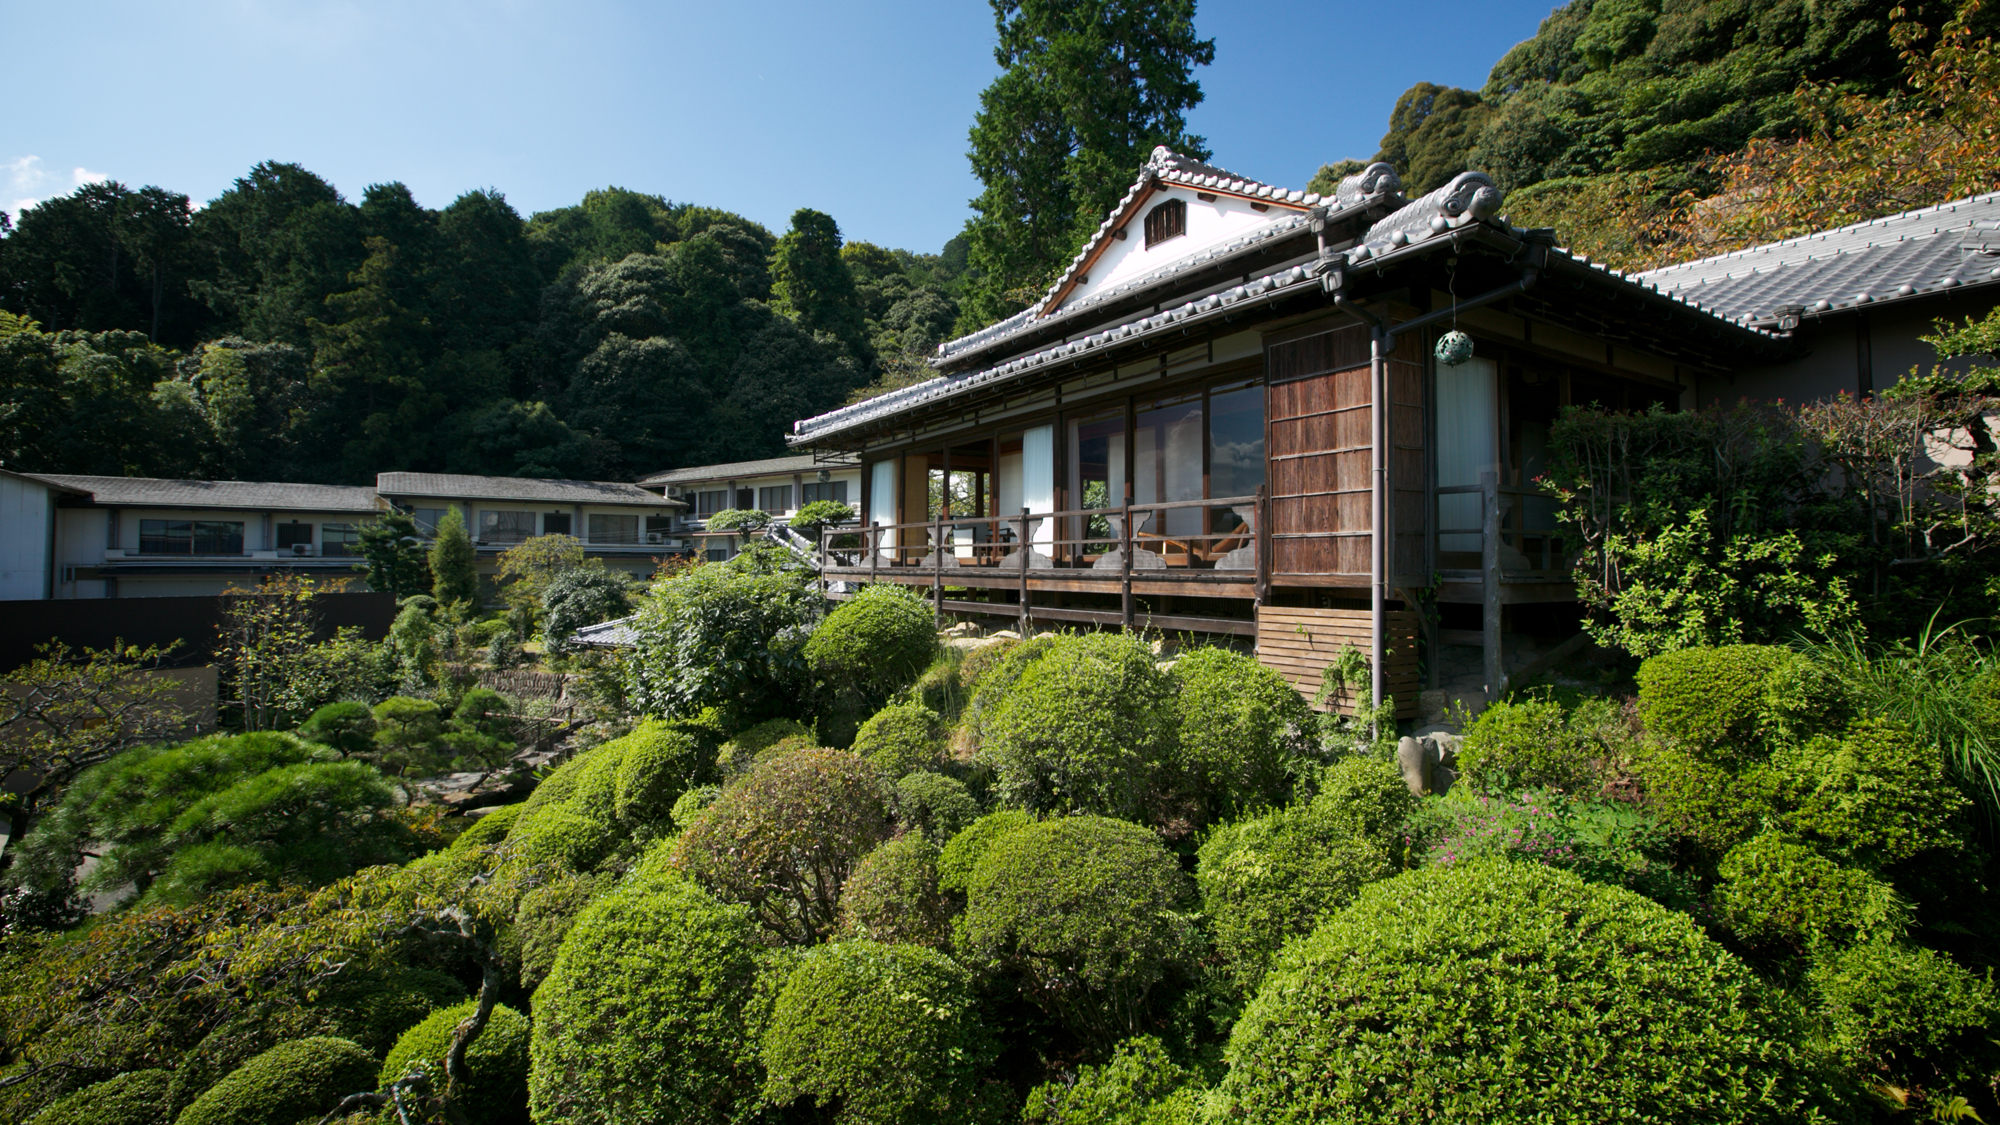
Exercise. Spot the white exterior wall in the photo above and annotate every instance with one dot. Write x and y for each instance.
(26, 531)
(1207, 224)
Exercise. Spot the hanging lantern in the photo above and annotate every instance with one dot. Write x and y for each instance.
(1454, 348)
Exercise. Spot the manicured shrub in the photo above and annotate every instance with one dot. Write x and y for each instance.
(876, 1034)
(1141, 1085)
(1908, 1015)
(1085, 915)
(659, 763)
(1874, 796)
(641, 1019)
(990, 671)
(542, 919)
(979, 661)
(1087, 728)
(489, 830)
(347, 726)
(962, 853)
(1713, 805)
(902, 737)
(782, 839)
(1777, 890)
(1267, 880)
(1507, 991)
(935, 805)
(496, 1063)
(893, 896)
(1367, 796)
(1530, 744)
(1708, 699)
(693, 803)
(742, 750)
(729, 636)
(1242, 728)
(560, 837)
(137, 1097)
(874, 645)
(299, 1080)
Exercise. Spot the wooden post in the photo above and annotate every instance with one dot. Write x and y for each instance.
(874, 550)
(1489, 572)
(1260, 539)
(937, 565)
(1024, 553)
(1125, 558)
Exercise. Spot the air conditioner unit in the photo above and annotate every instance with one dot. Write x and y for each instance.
(655, 538)
(302, 549)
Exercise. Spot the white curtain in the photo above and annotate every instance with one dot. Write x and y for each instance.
(882, 500)
(1467, 409)
(1038, 479)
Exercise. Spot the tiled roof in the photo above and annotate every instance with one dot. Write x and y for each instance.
(800, 463)
(1369, 187)
(456, 487)
(150, 492)
(1919, 252)
(618, 633)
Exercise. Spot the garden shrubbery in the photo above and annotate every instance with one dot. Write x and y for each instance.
(295, 1081)
(1242, 732)
(893, 896)
(901, 738)
(496, 1063)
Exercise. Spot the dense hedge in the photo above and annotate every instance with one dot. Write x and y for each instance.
(137, 1097)
(962, 853)
(1366, 796)
(1242, 732)
(299, 1080)
(874, 644)
(876, 1034)
(543, 917)
(1775, 890)
(1507, 991)
(660, 762)
(893, 895)
(641, 1018)
(1087, 728)
(935, 805)
(496, 1063)
(1141, 1085)
(1085, 915)
(489, 830)
(1530, 744)
(902, 737)
(1710, 699)
(1908, 1014)
(745, 747)
(1269, 879)
(782, 839)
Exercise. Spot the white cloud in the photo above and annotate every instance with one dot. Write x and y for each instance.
(84, 176)
(28, 182)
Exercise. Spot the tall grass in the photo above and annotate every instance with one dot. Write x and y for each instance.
(1932, 684)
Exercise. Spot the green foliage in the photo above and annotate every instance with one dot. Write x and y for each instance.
(1494, 991)
(749, 520)
(1603, 840)
(934, 804)
(394, 556)
(496, 1063)
(298, 1080)
(784, 838)
(1269, 879)
(489, 830)
(1087, 727)
(723, 636)
(347, 726)
(1242, 731)
(1084, 916)
(543, 918)
(748, 745)
(870, 647)
(810, 518)
(578, 597)
(1908, 1015)
(1875, 796)
(1141, 1085)
(660, 761)
(1537, 744)
(876, 1034)
(893, 896)
(693, 803)
(137, 1097)
(453, 577)
(642, 1017)
(810, 282)
(1365, 797)
(1776, 891)
(1710, 699)
(902, 738)
(962, 853)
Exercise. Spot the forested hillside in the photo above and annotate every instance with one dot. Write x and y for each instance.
(284, 332)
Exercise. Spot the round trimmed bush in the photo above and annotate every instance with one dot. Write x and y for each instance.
(990, 671)
(1141, 1085)
(1366, 796)
(137, 1097)
(1508, 991)
(561, 837)
(1775, 890)
(1908, 1013)
(901, 738)
(1241, 730)
(1087, 728)
(693, 803)
(875, 644)
(1529, 744)
(1271, 879)
(543, 918)
(347, 726)
(1877, 795)
(1706, 699)
(659, 764)
(1086, 914)
(935, 805)
(489, 830)
(877, 1035)
(496, 1063)
(962, 853)
(893, 896)
(373, 1010)
(782, 839)
(299, 1080)
(642, 1017)
(745, 747)
(250, 1034)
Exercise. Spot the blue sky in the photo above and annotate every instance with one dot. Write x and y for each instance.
(858, 109)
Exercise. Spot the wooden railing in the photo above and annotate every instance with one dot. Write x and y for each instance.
(1507, 542)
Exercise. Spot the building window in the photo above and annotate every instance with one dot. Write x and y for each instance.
(555, 523)
(707, 504)
(834, 490)
(294, 535)
(190, 537)
(340, 540)
(505, 527)
(716, 554)
(775, 498)
(1168, 220)
(427, 520)
(614, 529)
(657, 528)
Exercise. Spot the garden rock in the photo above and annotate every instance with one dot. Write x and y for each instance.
(1415, 763)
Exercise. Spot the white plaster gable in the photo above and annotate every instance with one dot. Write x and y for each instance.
(1209, 222)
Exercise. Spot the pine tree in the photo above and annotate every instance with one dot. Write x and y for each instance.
(453, 578)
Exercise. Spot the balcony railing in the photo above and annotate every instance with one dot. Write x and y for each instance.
(1511, 538)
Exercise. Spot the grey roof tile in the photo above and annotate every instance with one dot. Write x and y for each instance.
(152, 492)
(457, 487)
(798, 463)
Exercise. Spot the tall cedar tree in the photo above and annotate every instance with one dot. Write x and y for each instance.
(453, 578)
(1089, 89)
